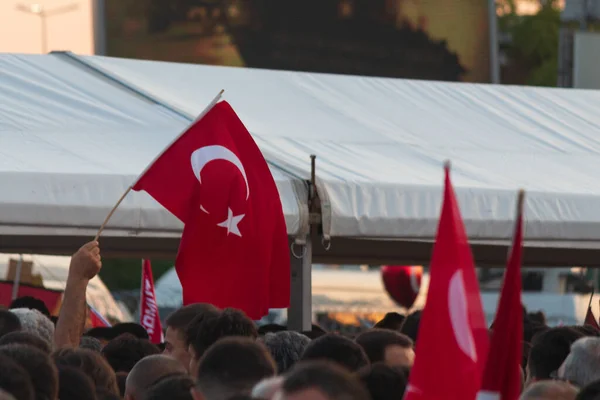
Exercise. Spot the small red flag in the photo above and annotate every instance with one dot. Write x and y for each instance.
(452, 336)
(149, 317)
(590, 318)
(96, 319)
(502, 377)
(234, 247)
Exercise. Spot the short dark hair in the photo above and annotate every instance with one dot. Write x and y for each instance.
(123, 352)
(392, 321)
(549, 349)
(38, 365)
(9, 322)
(339, 349)
(130, 328)
(375, 341)
(590, 392)
(286, 348)
(101, 332)
(31, 303)
(27, 338)
(410, 326)
(209, 328)
(383, 382)
(74, 384)
(15, 379)
(173, 388)
(327, 377)
(233, 366)
(92, 364)
(181, 318)
(90, 343)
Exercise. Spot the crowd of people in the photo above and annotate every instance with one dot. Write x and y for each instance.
(220, 354)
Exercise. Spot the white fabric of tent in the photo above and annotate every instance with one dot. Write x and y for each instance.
(381, 143)
(72, 142)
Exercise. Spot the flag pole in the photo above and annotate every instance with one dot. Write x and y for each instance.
(591, 297)
(112, 211)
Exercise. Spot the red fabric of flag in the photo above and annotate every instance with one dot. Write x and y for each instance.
(502, 376)
(96, 320)
(453, 337)
(234, 247)
(149, 317)
(590, 319)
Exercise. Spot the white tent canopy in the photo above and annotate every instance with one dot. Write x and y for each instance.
(72, 142)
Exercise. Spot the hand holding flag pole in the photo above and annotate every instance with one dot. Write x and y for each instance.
(112, 211)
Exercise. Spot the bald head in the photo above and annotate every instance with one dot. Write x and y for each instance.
(550, 390)
(148, 371)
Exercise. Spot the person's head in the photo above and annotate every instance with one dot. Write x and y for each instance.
(383, 381)
(148, 371)
(102, 334)
(549, 349)
(390, 347)
(35, 322)
(549, 390)
(206, 330)
(392, 321)
(75, 384)
(176, 341)
(410, 326)
(92, 364)
(90, 343)
(31, 303)
(590, 392)
(130, 328)
(15, 379)
(9, 322)
(233, 366)
(336, 348)
(322, 380)
(286, 347)
(38, 365)
(173, 388)
(582, 365)
(26, 338)
(267, 388)
(123, 352)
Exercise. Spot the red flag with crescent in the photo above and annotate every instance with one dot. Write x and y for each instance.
(149, 317)
(234, 247)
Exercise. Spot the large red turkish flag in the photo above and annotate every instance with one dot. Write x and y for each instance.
(453, 337)
(234, 247)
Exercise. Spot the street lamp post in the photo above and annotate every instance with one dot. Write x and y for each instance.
(43, 13)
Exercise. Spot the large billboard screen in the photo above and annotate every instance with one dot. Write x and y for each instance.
(418, 39)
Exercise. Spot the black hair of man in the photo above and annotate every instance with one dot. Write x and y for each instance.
(172, 388)
(232, 366)
(123, 352)
(181, 318)
(9, 322)
(339, 349)
(74, 384)
(375, 341)
(100, 333)
(286, 348)
(549, 349)
(90, 343)
(590, 392)
(92, 364)
(410, 326)
(15, 379)
(333, 381)
(270, 328)
(31, 303)
(212, 327)
(39, 366)
(392, 321)
(27, 338)
(148, 371)
(383, 382)
(131, 328)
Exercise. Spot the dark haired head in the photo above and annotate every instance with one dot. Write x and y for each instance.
(38, 365)
(383, 345)
(549, 349)
(9, 322)
(92, 364)
(30, 302)
(130, 328)
(286, 347)
(410, 326)
(74, 384)
(336, 348)
(383, 382)
(123, 352)
(173, 388)
(15, 379)
(100, 333)
(149, 371)
(26, 338)
(392, 321)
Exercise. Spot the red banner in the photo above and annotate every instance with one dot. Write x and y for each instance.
(149, 317)
(52, 298)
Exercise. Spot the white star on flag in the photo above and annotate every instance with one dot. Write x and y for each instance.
(231, 223)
